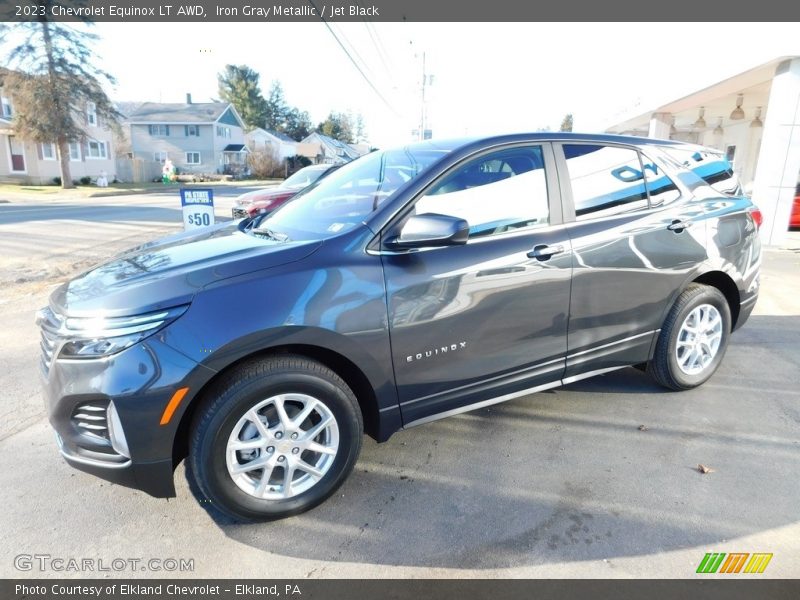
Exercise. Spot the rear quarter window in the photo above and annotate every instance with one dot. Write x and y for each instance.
(711, 166)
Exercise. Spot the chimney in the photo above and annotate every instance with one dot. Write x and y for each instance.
(188, 98)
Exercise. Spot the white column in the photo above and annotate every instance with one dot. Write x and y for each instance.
(779, 158)
(659, 126)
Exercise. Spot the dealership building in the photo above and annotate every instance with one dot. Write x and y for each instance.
(754, 118)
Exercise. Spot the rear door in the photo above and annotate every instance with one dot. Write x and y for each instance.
(475, 322)
(634, 242)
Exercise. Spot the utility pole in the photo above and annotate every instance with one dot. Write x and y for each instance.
(422, 103)
(423, 113)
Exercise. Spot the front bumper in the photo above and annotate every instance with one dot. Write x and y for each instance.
(140, 381)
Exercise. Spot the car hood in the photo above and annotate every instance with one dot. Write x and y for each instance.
(170, 271)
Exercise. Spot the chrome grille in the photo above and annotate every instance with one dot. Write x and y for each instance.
(90, 419)
(50, 324)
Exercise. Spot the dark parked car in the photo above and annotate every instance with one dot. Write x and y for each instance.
(407, 286)
(261, 202)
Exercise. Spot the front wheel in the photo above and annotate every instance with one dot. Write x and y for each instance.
(693, 339)
(277, 437)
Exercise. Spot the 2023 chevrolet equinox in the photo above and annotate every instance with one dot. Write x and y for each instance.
(409, 285)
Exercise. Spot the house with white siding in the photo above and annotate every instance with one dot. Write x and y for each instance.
(323, 149)
(266, 139)
(30, 162)
(202, 137)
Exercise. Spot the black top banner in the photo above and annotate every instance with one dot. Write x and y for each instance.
(263, 11)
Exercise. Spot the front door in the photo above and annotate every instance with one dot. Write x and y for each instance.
(473, 323)
(16, 151)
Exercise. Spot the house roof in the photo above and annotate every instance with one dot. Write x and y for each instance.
(281, 136)
(272, 133)
(235, 148)
(198, 112)
(126, 108)
(346, 149)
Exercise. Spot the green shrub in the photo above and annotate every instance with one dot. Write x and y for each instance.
(86, 180)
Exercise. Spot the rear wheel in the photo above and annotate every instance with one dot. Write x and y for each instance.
(693, 339)
(277, 437)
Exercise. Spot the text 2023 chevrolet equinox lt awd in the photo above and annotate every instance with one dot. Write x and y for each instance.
(409, 285)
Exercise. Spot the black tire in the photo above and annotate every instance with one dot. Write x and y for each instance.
(664, 366)
(228, 401)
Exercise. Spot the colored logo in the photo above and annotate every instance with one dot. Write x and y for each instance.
(734, 562)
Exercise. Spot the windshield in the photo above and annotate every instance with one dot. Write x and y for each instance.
(304, 178)
(347, 196)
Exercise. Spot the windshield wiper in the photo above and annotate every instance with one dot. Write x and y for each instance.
(279, 237)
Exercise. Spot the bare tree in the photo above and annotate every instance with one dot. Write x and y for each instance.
(265, 162)
(52, 81)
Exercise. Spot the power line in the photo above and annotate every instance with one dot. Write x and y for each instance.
(352, 46)
(355, 64)
(376, 41)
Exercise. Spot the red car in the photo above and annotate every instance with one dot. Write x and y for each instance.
(794, 220)
(261, 202)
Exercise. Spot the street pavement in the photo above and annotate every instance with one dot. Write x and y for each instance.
(597, 479)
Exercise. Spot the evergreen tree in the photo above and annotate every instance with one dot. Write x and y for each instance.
(339, 126)
(298, 124)
(238, 84)
(276, 108)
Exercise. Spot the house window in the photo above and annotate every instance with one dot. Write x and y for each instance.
(74, 151)
(160, 156)
(192, 130)
(192, 158)
(96, 150)
(223, 132)
(160, 130)
(91, 113)
(5, 107)
(48, 151)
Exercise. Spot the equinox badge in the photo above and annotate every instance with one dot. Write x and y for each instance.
(436, 351)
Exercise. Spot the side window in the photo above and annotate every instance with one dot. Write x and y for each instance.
(496, 193)
(661, 188)
(606, 180)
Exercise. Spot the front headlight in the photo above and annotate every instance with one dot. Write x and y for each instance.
(91, 337)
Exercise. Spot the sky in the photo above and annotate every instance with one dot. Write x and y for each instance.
(486, 77)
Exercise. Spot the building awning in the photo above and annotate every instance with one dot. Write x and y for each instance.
(235, 148)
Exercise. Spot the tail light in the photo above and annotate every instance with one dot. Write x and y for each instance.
(758, 218)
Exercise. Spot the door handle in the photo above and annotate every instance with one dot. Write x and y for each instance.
(544, 252)
(677, 226)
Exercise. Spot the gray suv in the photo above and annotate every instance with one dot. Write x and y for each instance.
(409, 285)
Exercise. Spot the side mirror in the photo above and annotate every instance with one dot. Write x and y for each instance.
(431, 230)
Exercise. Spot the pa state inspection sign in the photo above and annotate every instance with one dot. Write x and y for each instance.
(198, 208)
